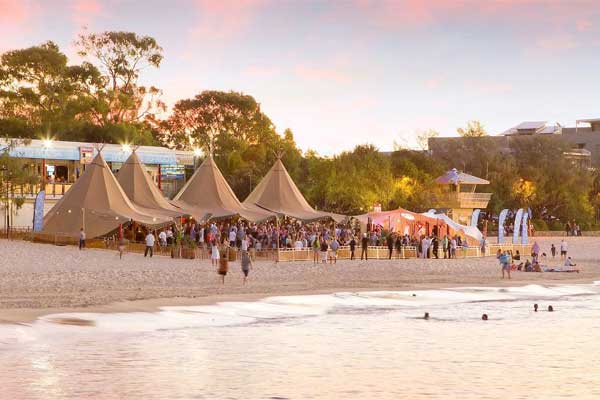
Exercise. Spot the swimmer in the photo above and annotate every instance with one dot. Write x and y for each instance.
(484, 317)
(550, 308)
(426, 316)
(535, 307)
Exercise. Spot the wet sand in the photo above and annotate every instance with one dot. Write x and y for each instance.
(39, 279)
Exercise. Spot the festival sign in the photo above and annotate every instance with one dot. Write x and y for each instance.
(517, 225)
(525, 229)
(501, 219)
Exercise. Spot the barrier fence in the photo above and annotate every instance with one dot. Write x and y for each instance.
(281, 255)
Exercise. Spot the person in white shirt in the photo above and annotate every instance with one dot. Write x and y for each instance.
(149, 244)
(563, 249)
(232, 236)
(162, 238)
(453, 246)
(244, 244)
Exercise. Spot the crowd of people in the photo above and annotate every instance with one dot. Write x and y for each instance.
(510, 261)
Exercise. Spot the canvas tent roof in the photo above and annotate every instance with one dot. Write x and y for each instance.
(142, 192)
(471, 231)
(278, 193)
(97, 203)
(455, 177)
(207, 192)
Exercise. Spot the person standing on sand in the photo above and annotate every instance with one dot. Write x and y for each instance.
(436, 245)
(563, 249)
(246, 262)
(81, 239)
(334, 246)
(390, 245)
(149, 244)
(121, 246)
(553, 250)
(445, 244)
(453, 245)
(364, 247)
(504, 260)
(316, 246)
(324, 247)
(224, 262)
(352, 247)
(214, 253)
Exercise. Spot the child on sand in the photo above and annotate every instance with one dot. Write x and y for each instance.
(214, 253)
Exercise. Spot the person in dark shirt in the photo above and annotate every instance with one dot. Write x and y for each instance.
(352, 247)
(398, 246)
(436, 247)
(364, 246)
(390, 245)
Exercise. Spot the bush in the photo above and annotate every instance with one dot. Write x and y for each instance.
(540, 225)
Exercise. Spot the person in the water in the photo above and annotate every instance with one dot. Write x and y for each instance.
(426, 316)
(535, 307)
(550, 308)
(484, 317)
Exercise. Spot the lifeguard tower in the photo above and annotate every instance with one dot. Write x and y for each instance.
(459, 195)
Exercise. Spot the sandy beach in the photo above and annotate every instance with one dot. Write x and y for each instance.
(39, 279)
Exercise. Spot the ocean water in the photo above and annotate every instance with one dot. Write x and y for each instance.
(368, 345)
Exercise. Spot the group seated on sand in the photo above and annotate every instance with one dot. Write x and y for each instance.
(510, 262)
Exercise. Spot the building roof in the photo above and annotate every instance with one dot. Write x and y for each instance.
(588, 120)
(63, 150)
(207, 193)
(278, 193)
(141, 190)
(455, 177)
(531, 125)
(97, 203)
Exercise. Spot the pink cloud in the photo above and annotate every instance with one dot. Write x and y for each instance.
(84, 11)
(583, 25)
(14, 11)
(15, 21)
(224, 19)
(557, 42)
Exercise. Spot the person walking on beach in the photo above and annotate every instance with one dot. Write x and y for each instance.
(246, 262)
(553, 250)
(563, 249)
(352, 247)
(436, 245)
(453, 245)
(149, 244)
(364, 247)
(390, 245)
(81, 239)
(504, 260)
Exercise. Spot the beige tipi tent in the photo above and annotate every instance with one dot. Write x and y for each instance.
(142, 192)
(97, 204)
(278, 193)
(207, 192)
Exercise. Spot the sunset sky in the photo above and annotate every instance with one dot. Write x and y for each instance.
(341, 73)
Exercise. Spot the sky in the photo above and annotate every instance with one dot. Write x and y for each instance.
(343, 73)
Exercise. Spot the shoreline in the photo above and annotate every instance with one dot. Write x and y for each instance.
(27, 316)
(42, 279)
